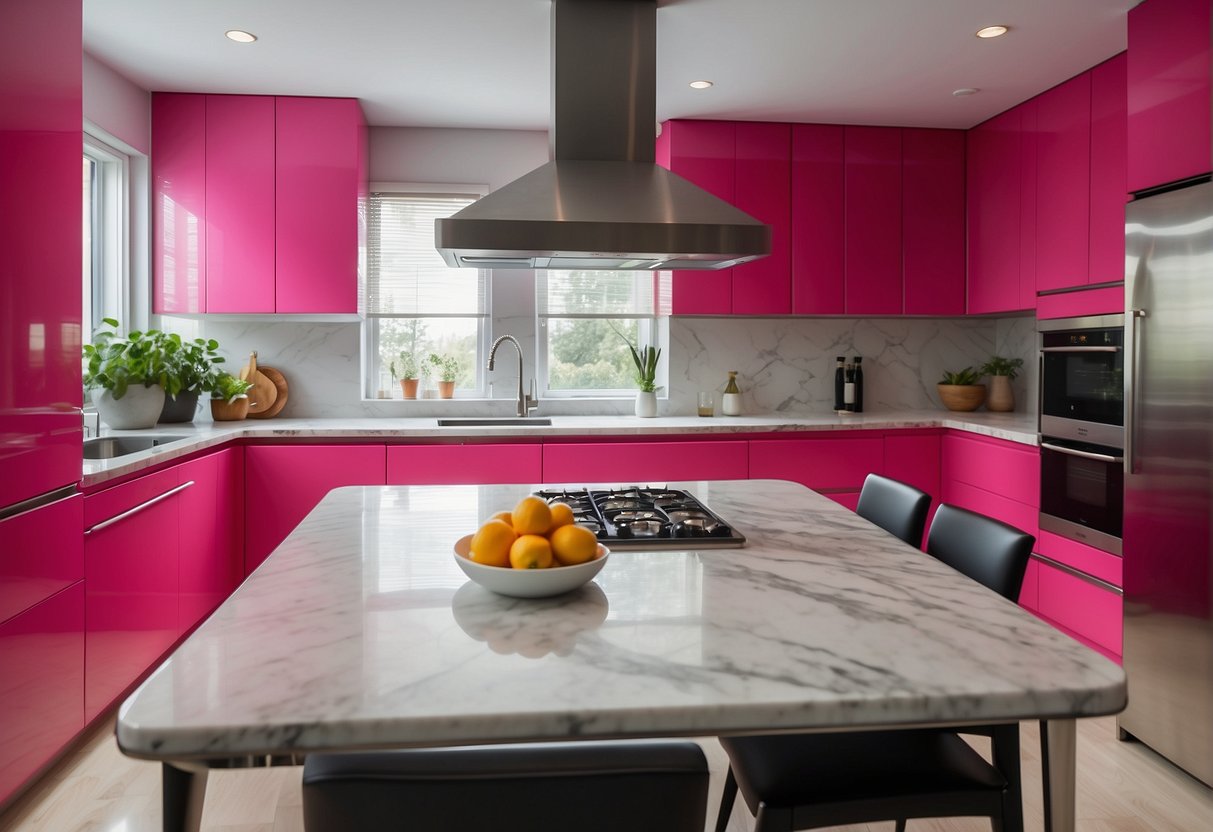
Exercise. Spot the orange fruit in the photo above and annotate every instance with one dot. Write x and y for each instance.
(574, 544)
(531, 551)
(491, 543)
(532, 516)
(505, 517)
(562, 515)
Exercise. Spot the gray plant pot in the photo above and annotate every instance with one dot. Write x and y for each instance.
(180, 409)
(139, 408)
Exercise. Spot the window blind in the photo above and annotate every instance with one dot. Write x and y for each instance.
(405, 274)
(603, 294)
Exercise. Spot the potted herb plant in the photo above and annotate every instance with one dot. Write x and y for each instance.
(646, 359)
(191, 368)
(960, 390)
(229, 397)
(1001, 371)
(446, 367)
(404, 368)
(127, 375)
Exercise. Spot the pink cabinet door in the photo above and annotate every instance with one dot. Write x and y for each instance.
(635, 463)
(822, 464)
(212, 533)
(818, 222)
(702, 152)
(282, 483)
(1109, 130)
(1008, 469)
(763, 190)
(130, 551)
(318, 168)
(239, 203)
(178, 203)
(914, 458)
(933, 221)
(1169, 67)
(873, 221)
(463, 464)
(1092, 613)
(1063, 185)
(41, 553)
(993, 208)
(42, 686)
(1029, 145)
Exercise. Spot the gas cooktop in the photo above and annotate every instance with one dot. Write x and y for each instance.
(647, 518)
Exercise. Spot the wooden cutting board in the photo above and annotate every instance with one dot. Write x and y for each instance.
(263, 393)
(279, 381)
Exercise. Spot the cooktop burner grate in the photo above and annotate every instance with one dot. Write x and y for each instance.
(647, 518)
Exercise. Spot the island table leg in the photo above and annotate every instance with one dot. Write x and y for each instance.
(1059, 741)
(183, 787)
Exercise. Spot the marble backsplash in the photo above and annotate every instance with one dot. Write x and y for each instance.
(785, 365)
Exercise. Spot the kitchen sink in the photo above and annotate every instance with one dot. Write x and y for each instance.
(493, 423)
(108, 447)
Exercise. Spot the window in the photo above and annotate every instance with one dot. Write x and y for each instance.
(586, 321)
(106, 234)
(416, 304)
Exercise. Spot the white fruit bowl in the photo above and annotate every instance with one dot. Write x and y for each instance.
(528, 583)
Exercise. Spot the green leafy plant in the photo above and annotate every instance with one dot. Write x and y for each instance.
(227, 387)
(192, 365)
(646, 359)
(966, 377)
(999, 366)
(404, 366)
(446, 367)
(114, 362)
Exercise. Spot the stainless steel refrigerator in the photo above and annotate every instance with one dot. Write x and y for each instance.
(1168, 534)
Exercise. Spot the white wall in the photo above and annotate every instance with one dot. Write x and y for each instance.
(454, 156)
(117, 105)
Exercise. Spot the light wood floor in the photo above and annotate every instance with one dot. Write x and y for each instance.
(1122, 787)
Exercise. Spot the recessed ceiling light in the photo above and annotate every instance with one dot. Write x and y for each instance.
(700, 85)
(963, 91)
(992, 31)
(240, 36)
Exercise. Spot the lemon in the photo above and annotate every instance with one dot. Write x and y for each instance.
(562, 515)
(491, 543)
(531, 551)
(532, 516)
(574, 544)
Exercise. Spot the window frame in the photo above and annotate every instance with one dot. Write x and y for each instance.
(653, 329)
(110, 213)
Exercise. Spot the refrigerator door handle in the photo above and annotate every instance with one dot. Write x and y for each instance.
(1132, 371)
(1049, 446)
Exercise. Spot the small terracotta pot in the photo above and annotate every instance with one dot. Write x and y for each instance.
(232, 411)
(446, 389)
(408, 386)
(962, 397)
(1002, 397)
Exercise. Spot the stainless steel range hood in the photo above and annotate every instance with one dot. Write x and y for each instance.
(603, 203)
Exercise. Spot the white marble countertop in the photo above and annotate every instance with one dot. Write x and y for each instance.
(360, 632)
(1014, 427)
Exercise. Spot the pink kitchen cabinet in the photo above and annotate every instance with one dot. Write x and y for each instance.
(1087, 559)
(1021, 515)
(463, 464)
(1092, 613)
(833, 465)
(131, 562)
(282, 483)
(702, 152)
(1007, 469)
(41, 553)
(1104, 300)
(211, 536)
(873, 220)
(993, 193)
(634, 463)
(1169, 68)
(762, 172)
(1109, 134)
(320, 174)
(933, 221)
(42, 686)
(817, 220)
(1029, 177)
(1063, 185)
(913, 458)
(178, 203)
(239, 204)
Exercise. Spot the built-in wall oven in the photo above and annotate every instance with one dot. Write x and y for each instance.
(1082, 429)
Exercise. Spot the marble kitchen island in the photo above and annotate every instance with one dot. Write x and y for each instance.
(360, 632)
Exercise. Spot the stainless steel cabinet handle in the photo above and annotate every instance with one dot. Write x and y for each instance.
(1070, 570)
(1084, 454)
(158, 498)
(1132, 368)
(1080, 349)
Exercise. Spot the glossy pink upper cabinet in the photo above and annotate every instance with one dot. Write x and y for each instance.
(1029, 145)
(818, 223)
(993, 206)
(239, 203)
(318, 165)
(41, 552)
(40, 199)
(873, 220)
(1169, 67)
(1109, 130)
(212, 534)
(763, 190)
(703, 153)
(933, 221)
(1063, 184)
(178, 203)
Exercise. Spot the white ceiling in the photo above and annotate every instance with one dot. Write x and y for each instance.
(484, 63)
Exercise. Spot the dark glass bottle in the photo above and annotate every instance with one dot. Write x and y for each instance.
(839, 381)
(848, 389)
(858, 384)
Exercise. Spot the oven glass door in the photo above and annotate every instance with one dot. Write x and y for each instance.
(1082, 376)
(1083, 486)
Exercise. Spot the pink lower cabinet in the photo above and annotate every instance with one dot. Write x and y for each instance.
(633, 463)
(41, 685)
(131, 562)
(212, 533)
(282, 483)
(913, 458)
(1082, 606)
(40, 554)
(836, 467)
(463, 464)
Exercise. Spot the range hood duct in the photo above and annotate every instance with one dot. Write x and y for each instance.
(603, 202)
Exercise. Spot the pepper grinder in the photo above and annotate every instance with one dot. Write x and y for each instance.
(731, 403)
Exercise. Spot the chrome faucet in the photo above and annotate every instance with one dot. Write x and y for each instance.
(526, 403)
